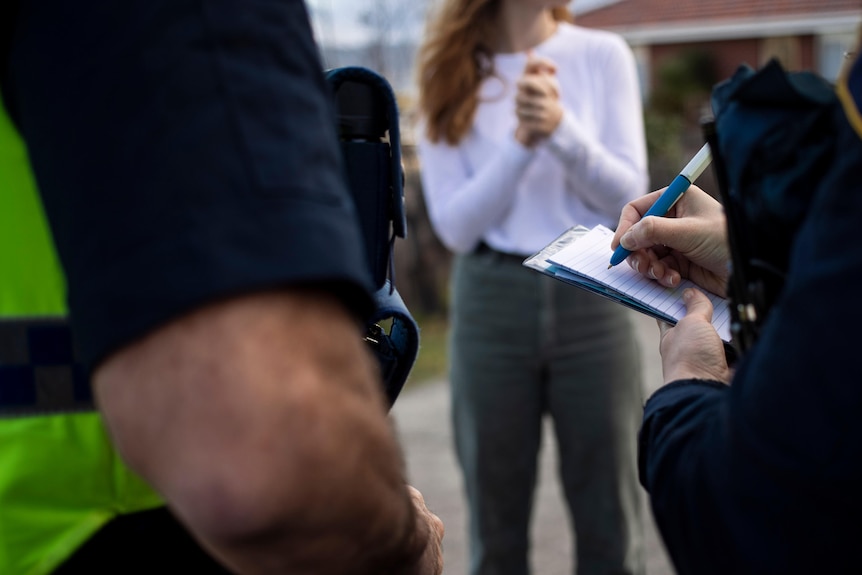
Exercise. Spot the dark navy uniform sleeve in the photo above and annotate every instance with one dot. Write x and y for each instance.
(764, 476)
(681, 421)
(185, 152)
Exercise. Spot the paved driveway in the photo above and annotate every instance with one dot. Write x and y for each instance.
(422, 419)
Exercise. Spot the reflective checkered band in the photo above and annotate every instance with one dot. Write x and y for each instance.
(39, 373)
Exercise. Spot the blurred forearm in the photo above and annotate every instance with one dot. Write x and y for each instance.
(262, 422)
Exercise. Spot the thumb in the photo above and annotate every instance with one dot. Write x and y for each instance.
(697, 304)
(651, 231)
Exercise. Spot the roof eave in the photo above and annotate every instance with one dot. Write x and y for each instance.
(698, 31)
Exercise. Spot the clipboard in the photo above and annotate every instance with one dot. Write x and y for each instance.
(584, 265)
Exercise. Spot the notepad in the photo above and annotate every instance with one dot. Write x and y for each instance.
(580, 257)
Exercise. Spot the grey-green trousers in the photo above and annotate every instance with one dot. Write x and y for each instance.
(523, 345)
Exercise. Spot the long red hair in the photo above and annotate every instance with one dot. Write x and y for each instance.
(453, 60)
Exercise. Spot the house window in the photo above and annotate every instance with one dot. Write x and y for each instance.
(642, 60)
(830, 53)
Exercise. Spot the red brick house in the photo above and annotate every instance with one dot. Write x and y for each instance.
(802, 34)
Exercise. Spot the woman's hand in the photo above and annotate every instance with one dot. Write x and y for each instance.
(537, 101)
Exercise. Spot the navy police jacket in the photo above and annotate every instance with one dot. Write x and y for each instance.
(765, 475)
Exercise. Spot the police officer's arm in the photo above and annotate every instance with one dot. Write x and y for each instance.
(261, 421)
(738, 475)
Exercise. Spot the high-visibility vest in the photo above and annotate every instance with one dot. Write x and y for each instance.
(60, 478)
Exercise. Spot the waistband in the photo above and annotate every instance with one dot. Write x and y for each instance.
(484, 248)
(40, 373)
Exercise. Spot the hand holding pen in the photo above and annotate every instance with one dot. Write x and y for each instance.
(690, 243)
(671, 194)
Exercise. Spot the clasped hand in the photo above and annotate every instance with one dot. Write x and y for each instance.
(537, 101)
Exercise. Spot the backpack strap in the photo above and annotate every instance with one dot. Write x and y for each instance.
(773, 141)
(354, 80)
(368, 129)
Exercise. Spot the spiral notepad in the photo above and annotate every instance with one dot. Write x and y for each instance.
(580, 257)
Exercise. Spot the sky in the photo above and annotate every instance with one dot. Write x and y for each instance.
(338, 22)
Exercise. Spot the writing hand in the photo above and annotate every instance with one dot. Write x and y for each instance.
(690, 242)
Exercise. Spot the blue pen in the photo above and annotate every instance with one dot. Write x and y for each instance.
(674, 192)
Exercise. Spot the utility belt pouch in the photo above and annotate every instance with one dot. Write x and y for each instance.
(368, 131)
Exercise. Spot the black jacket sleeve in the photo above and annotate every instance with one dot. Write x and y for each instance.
(765, 476)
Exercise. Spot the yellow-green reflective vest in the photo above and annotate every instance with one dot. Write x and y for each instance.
(60, 479)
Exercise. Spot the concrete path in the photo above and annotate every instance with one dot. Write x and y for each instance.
(422, 418)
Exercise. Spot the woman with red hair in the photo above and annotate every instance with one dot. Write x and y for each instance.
(531, 125)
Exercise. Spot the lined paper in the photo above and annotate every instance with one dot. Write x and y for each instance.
(586, 259)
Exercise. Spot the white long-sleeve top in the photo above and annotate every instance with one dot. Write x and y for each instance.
(489, 187)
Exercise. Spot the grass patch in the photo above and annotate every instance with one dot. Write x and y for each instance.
(432, 362)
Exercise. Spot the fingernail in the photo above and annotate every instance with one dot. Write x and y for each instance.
(687, 294)
(651, 273)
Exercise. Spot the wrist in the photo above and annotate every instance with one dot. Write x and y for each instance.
(524, 138)
(566, 141)
(690, 372)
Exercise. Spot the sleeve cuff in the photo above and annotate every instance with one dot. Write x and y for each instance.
(567, 140)
(516, 153)
(670, 414)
